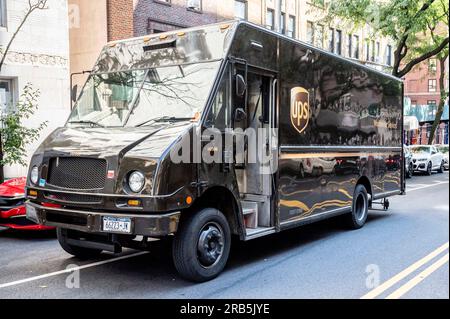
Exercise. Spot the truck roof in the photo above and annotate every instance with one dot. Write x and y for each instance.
(232, 25)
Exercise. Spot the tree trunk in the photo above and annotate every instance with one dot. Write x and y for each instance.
(440, 109)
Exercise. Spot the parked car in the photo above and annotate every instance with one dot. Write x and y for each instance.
(444, 150)
(427, 158)
(409, 167)
(12, 207)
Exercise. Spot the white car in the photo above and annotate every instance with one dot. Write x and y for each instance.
(427, 158)
(444, 150)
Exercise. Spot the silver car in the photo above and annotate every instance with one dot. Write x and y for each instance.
(427, 158)
(444, 150)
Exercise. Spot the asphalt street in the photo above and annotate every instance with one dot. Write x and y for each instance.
(402, 253)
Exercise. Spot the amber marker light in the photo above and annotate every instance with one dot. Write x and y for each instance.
(134, 203)
(163, 37)
(32, 193)
(189, 200)
(224, 27)
(181, 34)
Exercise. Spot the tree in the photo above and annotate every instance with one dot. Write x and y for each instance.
(407, 22)
(32, 6)
(12, 124)
(16, 136)
(444, 95)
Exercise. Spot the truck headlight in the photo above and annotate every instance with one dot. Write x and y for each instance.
(34, 175)
(136, 181)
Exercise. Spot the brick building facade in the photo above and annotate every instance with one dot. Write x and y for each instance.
(423, 91)
(422, 83)
(120, 22)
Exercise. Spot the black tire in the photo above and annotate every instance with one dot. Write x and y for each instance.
(430, 169)
(79, 252)
(194, 261)
(441, 168)
(409, 173)
(360, 208)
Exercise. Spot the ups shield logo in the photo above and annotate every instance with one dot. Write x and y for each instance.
(300, 110)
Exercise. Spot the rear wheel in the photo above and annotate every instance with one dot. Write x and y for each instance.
(202, 245)
(360, 208)
(80, 252)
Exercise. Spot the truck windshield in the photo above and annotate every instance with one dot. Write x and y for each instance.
(135, 98)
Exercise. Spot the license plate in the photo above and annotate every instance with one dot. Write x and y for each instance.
(117, 225)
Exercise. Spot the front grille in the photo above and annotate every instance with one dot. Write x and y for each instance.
(77, 173)
(74, 198)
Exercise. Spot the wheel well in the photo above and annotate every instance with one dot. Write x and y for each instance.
(222, 199)
(366, 183)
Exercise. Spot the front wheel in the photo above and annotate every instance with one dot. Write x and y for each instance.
(409, 173)
(441, 168)
(360, 208)
(202, 245)
(429, 169)
(80, 252)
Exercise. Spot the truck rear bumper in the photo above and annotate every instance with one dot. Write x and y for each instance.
(92, 222)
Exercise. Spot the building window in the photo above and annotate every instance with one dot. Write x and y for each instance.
(331, 40)
(349, 45)
(338, 42)
(372, 50)
(432, 85)
(310, 32)
(283, 23)
(377, 54)
(367, 50)
(6, 96)
(319, 35)
(195, 5)
(389, 55)
(291, 27)
(356, 47)
(3, 13)
(431, 102)
(240, 9)
(432, 65)
(270, 19)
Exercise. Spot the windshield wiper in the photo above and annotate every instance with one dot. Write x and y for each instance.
(165, 119)
(87, 122)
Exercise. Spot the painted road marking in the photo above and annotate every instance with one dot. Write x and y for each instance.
(70, 270)
(418, 279)
(403, 274)
(422, 187)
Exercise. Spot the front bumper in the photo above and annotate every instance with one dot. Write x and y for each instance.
(92, 222)
(420, 167)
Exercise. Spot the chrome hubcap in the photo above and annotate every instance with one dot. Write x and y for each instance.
(210, 245)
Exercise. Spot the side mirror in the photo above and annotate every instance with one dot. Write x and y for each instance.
(241, 85)
(240, 115)
(74, 93)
